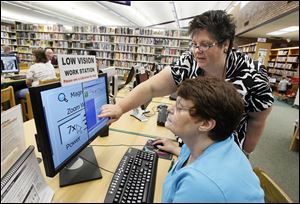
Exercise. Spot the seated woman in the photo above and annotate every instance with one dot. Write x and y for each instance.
(210, 167)
(40, 70)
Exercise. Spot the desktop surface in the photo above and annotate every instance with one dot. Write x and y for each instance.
(108, 158)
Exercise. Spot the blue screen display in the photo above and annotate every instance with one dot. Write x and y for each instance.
(71, 116)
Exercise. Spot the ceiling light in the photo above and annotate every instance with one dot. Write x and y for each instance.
(284, 30)
(276, 33)
(290, 29)
(243, 3)
(30, 6)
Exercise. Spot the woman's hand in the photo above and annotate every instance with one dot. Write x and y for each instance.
(113, 111)
(167, 145)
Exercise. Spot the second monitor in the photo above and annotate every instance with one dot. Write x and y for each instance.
(139, 113)
(9, 64)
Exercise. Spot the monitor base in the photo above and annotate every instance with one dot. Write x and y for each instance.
(86, 171)
(138, 113)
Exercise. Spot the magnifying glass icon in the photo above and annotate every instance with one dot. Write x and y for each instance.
(62, 97)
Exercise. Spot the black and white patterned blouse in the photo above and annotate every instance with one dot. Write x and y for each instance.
(251, 82)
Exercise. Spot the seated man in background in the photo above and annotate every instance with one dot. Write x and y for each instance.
(210, 167)
(52, 59)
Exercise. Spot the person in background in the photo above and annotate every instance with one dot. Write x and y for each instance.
(7, 50)
(52, 59)
(40, 70)
(283, 85)
(210, 167)
(210, 54)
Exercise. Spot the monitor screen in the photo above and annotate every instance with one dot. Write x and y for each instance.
(9, 64)
(66, 119)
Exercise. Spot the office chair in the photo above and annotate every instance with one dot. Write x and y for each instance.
(26, 103)
(273, 193)
(7, 97)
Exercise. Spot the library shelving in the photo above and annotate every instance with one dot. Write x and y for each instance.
(257, 51)
(121, 47)
(8, 36)
(284, 62)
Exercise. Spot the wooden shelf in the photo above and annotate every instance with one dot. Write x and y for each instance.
(255, 49)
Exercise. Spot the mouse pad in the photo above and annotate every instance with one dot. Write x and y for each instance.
(161, 154)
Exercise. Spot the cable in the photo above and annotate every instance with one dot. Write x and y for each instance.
(96, 165)
(148, 115)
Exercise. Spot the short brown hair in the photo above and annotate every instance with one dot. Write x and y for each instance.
(217, 22)
(40, 56)
(215, 99)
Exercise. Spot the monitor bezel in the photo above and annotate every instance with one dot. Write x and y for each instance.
(42, 136)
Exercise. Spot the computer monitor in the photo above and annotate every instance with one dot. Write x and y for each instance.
(130, 75)
(66, 123)
(128, 80)
(9, 64)
(139, 79)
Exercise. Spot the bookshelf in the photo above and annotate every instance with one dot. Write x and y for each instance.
(284, 61)
(257, 51)
(121, 47)
(8, 36)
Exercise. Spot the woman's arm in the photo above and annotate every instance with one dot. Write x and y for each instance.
(255, 127)
(160, 84)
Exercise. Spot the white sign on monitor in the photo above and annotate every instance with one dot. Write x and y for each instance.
(76, 68)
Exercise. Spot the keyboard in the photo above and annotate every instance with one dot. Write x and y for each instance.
(17, 77)
(134, 179)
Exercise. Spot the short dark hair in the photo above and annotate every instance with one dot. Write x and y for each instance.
(217, 22)
(215, 99)
(40, 56)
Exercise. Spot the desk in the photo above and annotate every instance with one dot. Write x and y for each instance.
(5, 82)
(108, 158)
(129, 124)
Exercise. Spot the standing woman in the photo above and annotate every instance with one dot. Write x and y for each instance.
(210, 54)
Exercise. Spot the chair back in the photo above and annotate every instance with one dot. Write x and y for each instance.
(7, 96)
(48, 81)
(273, 193)
(27, 107)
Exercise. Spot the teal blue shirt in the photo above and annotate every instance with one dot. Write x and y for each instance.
(222, 173)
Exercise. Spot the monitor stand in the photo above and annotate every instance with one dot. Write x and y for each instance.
(138, 113)
(80, 170)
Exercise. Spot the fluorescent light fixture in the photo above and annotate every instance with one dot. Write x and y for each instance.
(23, 7)
(175, 13)
(284, 30)
(22, 18)
(236, 3)
(276, 33)
(243, 3)
(290, 29)
(30, 6)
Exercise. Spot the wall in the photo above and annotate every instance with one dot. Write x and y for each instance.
(258, 12)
